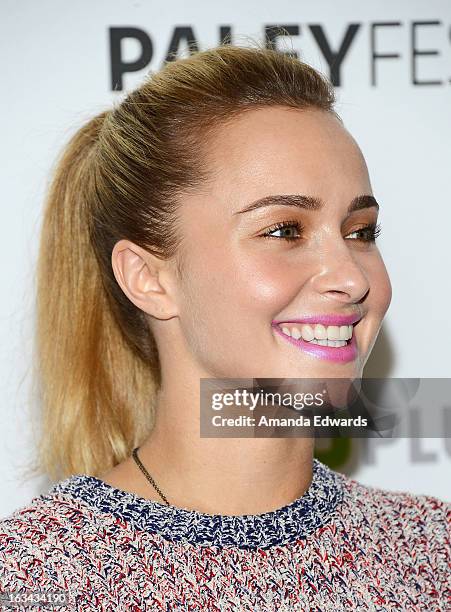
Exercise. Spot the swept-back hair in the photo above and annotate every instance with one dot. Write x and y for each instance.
(96, 362)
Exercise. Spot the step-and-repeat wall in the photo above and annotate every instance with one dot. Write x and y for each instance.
(64, 61)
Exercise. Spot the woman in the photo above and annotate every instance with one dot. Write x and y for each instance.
(218, 223)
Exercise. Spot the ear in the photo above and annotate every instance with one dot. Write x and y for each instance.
(147, 280)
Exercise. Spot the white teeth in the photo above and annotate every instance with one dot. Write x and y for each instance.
(344, 332)
(334, 343)
(307, 333)
(320, 332)
(333, 332)
(331, 335)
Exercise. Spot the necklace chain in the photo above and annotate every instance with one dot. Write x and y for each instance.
(147, 475)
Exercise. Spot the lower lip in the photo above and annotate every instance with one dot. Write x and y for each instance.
(339, 354)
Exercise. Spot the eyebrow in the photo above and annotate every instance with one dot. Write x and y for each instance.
(308, 202)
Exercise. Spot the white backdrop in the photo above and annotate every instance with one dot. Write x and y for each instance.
(57, 72)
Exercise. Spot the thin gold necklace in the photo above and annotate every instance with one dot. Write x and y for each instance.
(147, 475)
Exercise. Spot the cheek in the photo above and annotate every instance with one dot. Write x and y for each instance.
(226, 311)
(259, 285)
(380, 287)
(237, 295)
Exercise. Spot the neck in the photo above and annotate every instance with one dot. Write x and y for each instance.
(228, 476)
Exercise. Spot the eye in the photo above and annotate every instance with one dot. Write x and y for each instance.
(367, 233)
(288, 230)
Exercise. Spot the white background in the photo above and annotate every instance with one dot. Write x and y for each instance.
(56, 74)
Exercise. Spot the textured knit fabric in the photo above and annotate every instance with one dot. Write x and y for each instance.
(340, 546)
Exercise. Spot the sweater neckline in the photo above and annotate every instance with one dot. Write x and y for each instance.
(281, 526)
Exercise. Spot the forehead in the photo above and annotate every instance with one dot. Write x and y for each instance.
(285, 150)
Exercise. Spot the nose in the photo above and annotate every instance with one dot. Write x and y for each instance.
(342, 277)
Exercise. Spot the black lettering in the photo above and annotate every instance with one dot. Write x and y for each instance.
(334, 59)
(225, 35)
(181, 33)
(416, 52)
(273, 32)
(118, 66)
(374, 54)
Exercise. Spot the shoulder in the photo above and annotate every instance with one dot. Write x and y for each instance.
(413, 511)
(416, 529)
(43, 542)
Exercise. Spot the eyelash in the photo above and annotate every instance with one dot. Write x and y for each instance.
(374, 230)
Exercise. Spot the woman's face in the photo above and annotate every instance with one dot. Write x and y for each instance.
(258, 299)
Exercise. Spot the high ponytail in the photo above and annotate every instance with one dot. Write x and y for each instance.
(94, 390)
(122, 176)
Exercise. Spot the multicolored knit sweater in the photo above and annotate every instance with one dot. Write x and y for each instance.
(340, 546)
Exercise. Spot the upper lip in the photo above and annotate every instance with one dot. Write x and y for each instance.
(325, 319)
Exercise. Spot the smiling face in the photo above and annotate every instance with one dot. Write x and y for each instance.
(262, 288)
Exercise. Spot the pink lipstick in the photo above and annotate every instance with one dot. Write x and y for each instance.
(340, 354)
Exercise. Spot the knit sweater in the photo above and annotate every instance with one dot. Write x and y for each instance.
(340, 546)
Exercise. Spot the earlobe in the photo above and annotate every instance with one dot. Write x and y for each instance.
(144, 278)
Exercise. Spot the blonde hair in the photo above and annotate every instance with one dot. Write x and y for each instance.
(96, 362)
